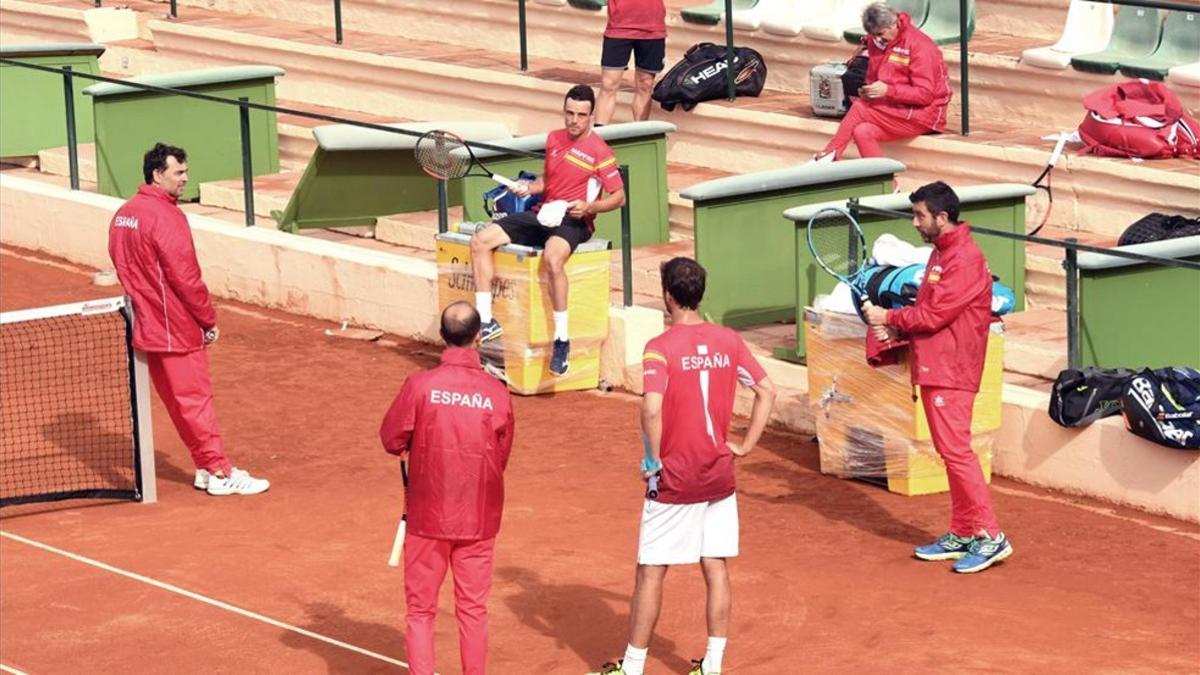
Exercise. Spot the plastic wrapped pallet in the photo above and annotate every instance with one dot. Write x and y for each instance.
(521, 303)
(870, 421)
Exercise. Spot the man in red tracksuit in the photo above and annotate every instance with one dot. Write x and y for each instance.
(907, 90)
(150, 244)
(454, 424)
(948, 330)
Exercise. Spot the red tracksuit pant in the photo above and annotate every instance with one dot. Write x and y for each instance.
(425, 563)
(182, 383)
(869, 128)
(949, 415)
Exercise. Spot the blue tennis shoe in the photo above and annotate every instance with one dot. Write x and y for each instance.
(949, 546)
(983, 553)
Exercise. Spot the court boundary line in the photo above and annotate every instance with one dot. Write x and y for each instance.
(10, 669)
(1099, 510)
(220, 604)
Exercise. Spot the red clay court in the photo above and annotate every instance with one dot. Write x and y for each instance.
(295, 580)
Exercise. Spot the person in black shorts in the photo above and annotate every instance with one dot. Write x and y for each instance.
(638, 27)
(579, 180)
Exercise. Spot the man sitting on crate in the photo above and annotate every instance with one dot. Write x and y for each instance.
(948, 330)
(579, 165)
(907, 91)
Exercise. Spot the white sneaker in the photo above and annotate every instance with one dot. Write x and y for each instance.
(201, 482)
(239, 482)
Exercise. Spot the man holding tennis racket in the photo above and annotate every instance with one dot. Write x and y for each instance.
(580, 175)
(691, 373)
(948, 330)
(454, 426)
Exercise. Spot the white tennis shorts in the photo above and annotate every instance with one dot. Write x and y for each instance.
(681, 534)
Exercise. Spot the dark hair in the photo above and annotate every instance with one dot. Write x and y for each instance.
(938, 197)
(460, 324)
(155, 159)
(683, 279)
(581, 92)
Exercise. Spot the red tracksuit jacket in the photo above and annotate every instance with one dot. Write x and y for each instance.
(914, 71)
(948, 324)
(150, 244)
(456, 423)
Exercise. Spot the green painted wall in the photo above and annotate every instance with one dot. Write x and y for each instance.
(32, 114)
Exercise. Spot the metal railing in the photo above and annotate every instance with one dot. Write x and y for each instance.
(1071, 248)
(244, 106)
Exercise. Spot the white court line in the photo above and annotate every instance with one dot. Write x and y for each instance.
(1103, 511)
(206, 600)
(9, 669)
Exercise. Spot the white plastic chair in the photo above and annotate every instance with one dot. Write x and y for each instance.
(793, 15)
(1187, 75)
(1088, 29)
(751, 19)
(847, 15)
(552, 3)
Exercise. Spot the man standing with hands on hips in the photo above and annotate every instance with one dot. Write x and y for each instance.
(948, 330)
(454, 425)
(150, 244)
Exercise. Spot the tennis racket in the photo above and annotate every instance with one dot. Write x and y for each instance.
(1042, 202)
(445, 156)
(650, 464)
(839, 247)
(398, 545)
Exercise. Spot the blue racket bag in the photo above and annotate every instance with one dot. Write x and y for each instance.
(894, 287)
(499, 202)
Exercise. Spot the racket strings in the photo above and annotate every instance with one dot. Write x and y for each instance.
(443, 155)
(835, 243)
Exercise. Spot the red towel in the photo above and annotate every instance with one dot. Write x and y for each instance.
(880, 353)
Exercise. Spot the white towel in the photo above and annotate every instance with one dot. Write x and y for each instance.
(552, 213)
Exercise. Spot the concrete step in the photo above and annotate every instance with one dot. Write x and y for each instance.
(57, 162)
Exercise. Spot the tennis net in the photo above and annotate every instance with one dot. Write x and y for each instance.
(74, 405)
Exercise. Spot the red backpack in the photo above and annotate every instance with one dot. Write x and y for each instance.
(1138, 118)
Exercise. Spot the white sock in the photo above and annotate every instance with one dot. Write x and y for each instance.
(483, 304)
(635, 659)
(560, 326)
(714, 655)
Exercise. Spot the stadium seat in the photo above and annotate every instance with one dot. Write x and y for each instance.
(1088, 29)
(791, 17)
(1180, 45)
(1187, 75)
(1136, 33)
(918, 10)
(941, 24)
(593, 5)
(751, 19)
(833, 25)
(711, 13)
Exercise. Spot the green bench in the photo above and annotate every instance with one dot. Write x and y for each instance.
(1134, 314)
(996, 207)
(357, 175)
(129, 121)
(592, 5)
(35, 119)
(942, 23)
(712, 13)
(1180, 44)
(640, 145)
(746, 245)
(1136, 34)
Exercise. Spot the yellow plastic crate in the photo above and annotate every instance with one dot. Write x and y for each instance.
(870, 421)
(521, 303)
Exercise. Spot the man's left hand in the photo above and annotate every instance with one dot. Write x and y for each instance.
(875, 90)
(876, 316)
(580, 209)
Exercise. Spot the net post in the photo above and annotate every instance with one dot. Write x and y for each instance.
(144, 429)
(247, 164)
(521, 29)
(626, 242)
(443, 208)
(72, 141)
(963, 68)
(731, 94)
(337, 20)
(1071, 267)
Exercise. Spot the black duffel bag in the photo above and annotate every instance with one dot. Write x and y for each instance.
(1157, 227)
(1081, 397)
(1163, 406)
(700, 76)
